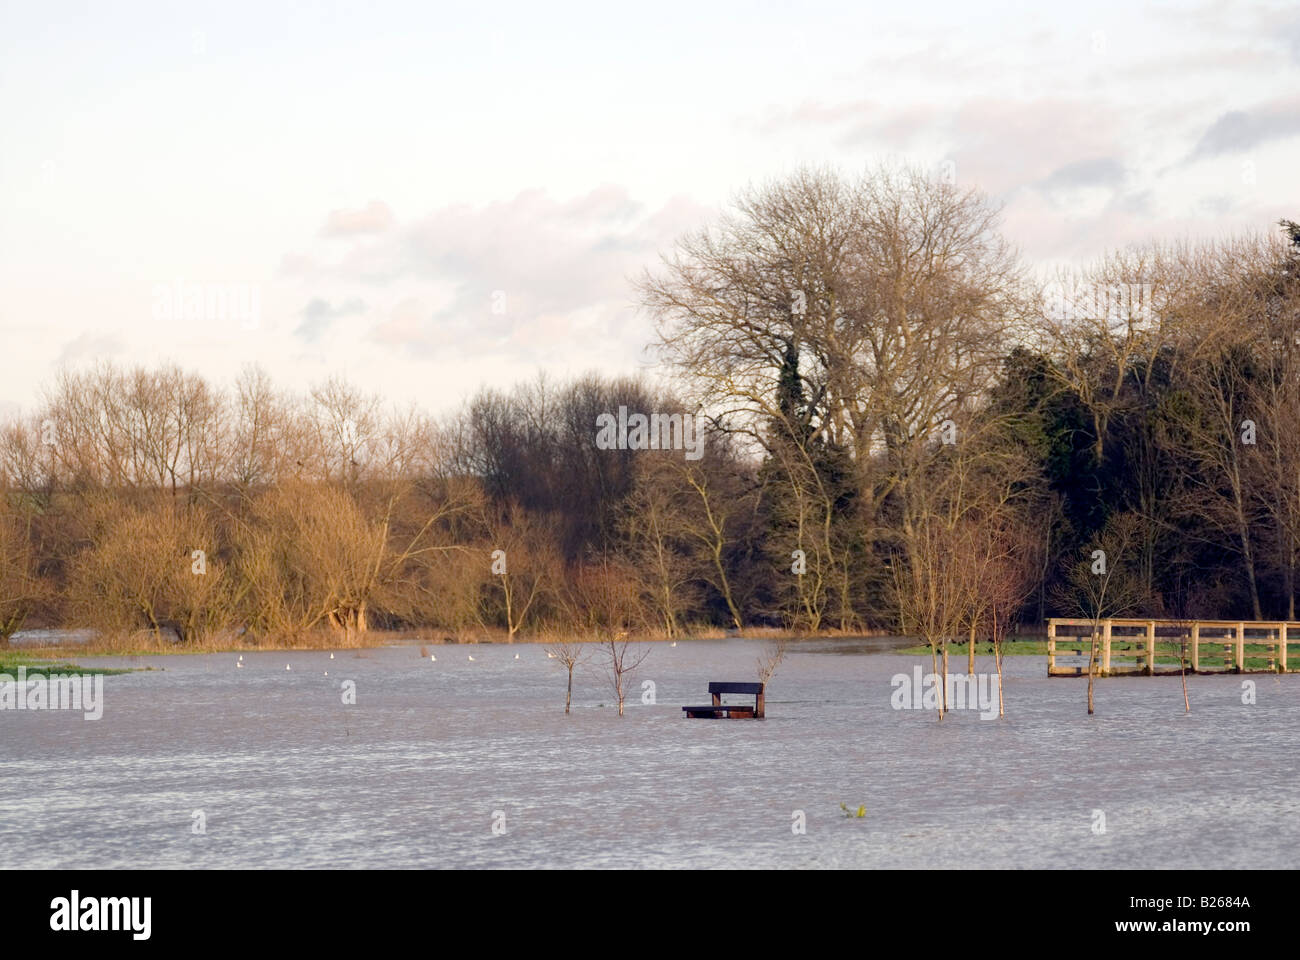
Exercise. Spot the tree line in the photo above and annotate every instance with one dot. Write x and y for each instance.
(903, 427)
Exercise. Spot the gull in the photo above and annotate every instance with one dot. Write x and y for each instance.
(241, 656)
(432, 658)
(286, 666)
(471, 657)
(239, 664)
(673, 644)
(331, 656)
(516, 656)
(549, 655)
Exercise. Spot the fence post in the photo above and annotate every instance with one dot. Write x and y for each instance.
(1281, 646)
(1241, 647)
(1151, 647)
(1051, 646)
(1105, 649)
(1196, 648)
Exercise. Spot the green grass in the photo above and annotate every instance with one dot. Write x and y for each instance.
(1210, 661)
(1012, 648)
(10, 661)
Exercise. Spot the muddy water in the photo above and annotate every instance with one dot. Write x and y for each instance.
(433, 756)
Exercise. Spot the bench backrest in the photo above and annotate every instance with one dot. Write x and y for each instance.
(753, 689)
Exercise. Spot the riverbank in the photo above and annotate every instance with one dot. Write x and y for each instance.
(1011, 648)
(35, 666)
(50, 643)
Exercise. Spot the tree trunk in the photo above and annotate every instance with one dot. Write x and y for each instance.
(945, 676)
(1290, 578)
(997, 656)
(997, 637)
(726, 590)
(1182, 670)
(934, 672)
(616, 661)
(1092, 670)
(1247, 554)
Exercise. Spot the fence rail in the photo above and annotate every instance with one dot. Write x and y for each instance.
(1201, 646)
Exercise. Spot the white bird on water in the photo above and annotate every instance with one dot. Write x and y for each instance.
(673, 644)
(241, 656)
(239, 664)
(516, 656)
(286, 666)
(331, 656)
(549, 655)
(471, 657)
(432, 658)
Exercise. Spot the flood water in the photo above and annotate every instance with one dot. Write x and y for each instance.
(434, 755)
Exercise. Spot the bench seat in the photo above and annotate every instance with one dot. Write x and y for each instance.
(736, 711)
(722, 710)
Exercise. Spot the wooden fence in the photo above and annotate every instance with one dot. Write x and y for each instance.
(1163, 647)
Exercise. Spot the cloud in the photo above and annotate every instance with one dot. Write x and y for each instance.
(319, 315)
(296, 264)
(1097, 172)
(375, 217)
(1004, 144)
(405, 324)
(1075, 174)
(511, 277)
(812, 113)
(1239, 130)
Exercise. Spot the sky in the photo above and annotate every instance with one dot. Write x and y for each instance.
(429, 198)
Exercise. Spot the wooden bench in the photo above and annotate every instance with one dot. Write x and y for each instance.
(731, 711)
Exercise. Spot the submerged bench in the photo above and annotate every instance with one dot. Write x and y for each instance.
(731, 711)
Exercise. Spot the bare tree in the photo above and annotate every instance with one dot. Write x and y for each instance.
(654, 544)
(607, 593)
(771, 659)
(623, 659)
(930, 590)
(1185, 622)
(523, 561)
(1103, 586)
(154, 567)
(570, 653)
(1011, 550)
(22, 588)
(709, 524)
(311, 557)
(887, 299)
